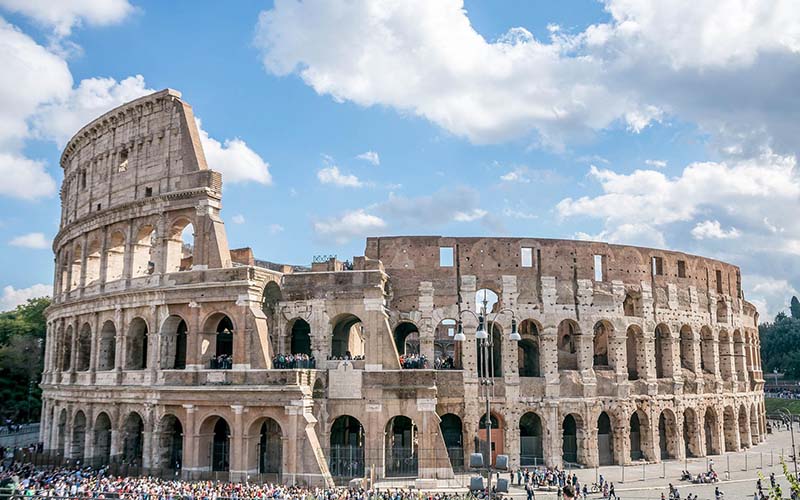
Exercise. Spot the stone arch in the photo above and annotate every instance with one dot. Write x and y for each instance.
(745, 439)
(62, 431)
(568, 331)
(136, 348)
(270, 298)
(406, 338)
(300, 337)
(713, 445)
(668, 443)
(348, 339)
(220, 350)
(631, 306)
(180, 245)
(347, 440)
(492, 299)
(640, 436)
(144, 249)
(572, 433)
(169, 442)
(400, 451)
(75, 266)
(84, 344)
(687, 346)
(495, 363)
(265, 446)
(78, 441)
(635, 355)
(722, 311)
(108, 346)
(739, 356)
(64, 268)
(691, 433)
(446, 351)
(730, 429)
(66, 357)
(102, 439)
(529, 349)
(707, 350)
(724, 355)
(605, 439)
(531, 439)
(174, 342)
(215, 437)
(115, 256)
(603, 330)
(93, 262)
(133, 439)
(452, 430)
(663, 351)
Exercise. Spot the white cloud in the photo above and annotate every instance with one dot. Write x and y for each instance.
(628, 234)
(275, 228)
(12, 297)
(354, 224)
(769, 295)
(517, 175)
(238, 219)
(234, 160)
(30, 240)
(656, 163)
(712, 229)
(63, 15)
(370, 156)
(332, 175)
(470, 216)
(640, 119)
(24, 178)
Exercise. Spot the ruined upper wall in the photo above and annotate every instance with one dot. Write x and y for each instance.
(145, 148)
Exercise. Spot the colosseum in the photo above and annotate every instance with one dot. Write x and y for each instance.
(168, 350)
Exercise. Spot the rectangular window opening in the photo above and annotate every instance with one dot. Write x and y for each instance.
(658, 266)
(148, 192)
(527, 257)
(598, 267)
(445, 256)
(681, 269)
(719, 281)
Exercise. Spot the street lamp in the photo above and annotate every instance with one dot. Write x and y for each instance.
(486, 355)
(789, 415)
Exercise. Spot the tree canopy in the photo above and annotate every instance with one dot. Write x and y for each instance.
(22, 337)
(780, 343)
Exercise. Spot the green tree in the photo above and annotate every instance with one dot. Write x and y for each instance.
(780, 345)
(794, 307)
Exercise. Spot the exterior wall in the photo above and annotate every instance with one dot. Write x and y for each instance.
(126, 309)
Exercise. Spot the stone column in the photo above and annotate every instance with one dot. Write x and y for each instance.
(88, 441)
(549, 357)
(147, 438)
(238, 453)
(374, 436)
(190, 442)
(622, 443)
(553, 440)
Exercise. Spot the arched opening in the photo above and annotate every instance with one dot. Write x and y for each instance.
(486, 301)
(531, 449)
(180, 246)
(84, 348)
(602, 330)
(108, 347)
(300, 335)
(66, 357)
(220, 450)
(62, 431)
(729, 428)
(687, 348)
(528, 349)
(115, 256)
(446, 351)
(490, 361)
(568, 345)
(725, 356)
(78, 436)
(270, 447)
(630, 305)
(222, 358)
(636, 437)
(710, 431)
(348, 338)
(170, 443)
(496, 437)
(605, 440)
(132, 439)
(173, 343)
(452, 431)
(744, 430)
(691, 434)
(143, 262)
(570, 434)
(401, 447)
(77, 256)
(636, 359)
(93, 262)
(754, 430)
(667, 435)
(64, 265)
(137, 345)
(406, 339)
(663, 348)
(739, 357)
(102, 440)
(272, 296)
(722, 311)
(347, 448)
(707, 351)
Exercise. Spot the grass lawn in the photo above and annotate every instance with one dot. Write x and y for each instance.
(772, 404)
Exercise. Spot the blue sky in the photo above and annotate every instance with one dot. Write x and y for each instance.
(623, 121)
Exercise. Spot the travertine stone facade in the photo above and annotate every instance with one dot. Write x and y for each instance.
(161, 339)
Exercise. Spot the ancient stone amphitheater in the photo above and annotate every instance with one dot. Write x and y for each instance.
(162, 340)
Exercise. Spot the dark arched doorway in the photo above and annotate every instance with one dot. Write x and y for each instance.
(301, 337)
(346, 448)
(401, 447)
(531, 450)
(452, 432)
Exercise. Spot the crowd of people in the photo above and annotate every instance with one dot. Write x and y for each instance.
(293, 361)
(221, 362)
(413, 361)
(347, 357)
(444, 363)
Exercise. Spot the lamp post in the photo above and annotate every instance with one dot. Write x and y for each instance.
(486, 354)
(789, 415)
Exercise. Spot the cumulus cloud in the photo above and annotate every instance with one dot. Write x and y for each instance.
(12, 297)
(371, 157)
(234, 159)
(62, 16)
(656, 163)
(712, 229)
(353, 224)
(769, 295)
(24, 178)
(30, 240)
(332, 175)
